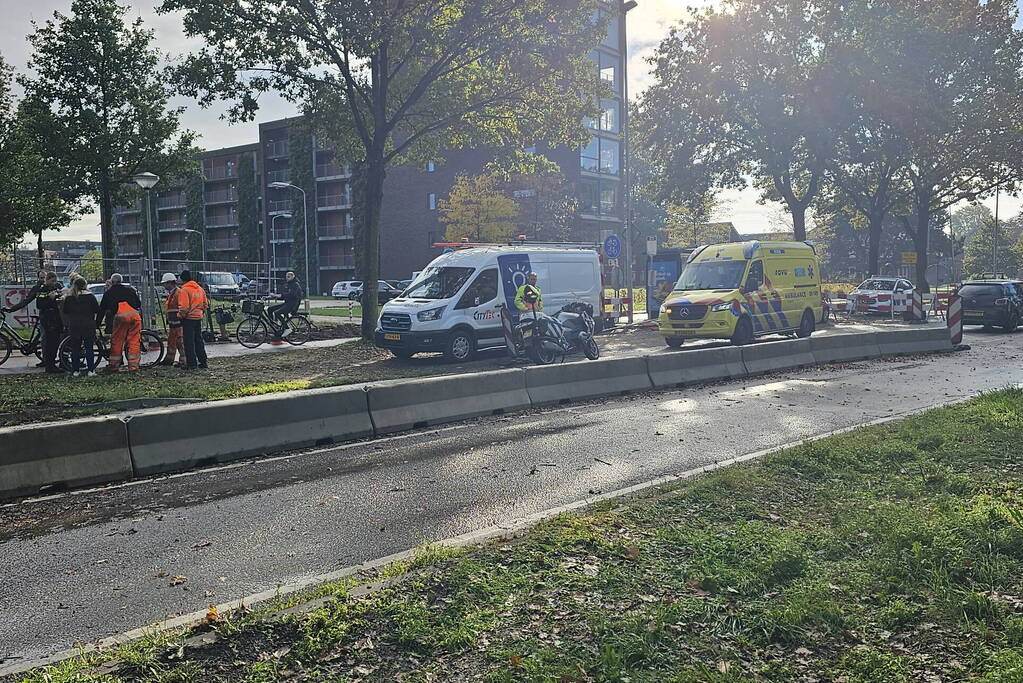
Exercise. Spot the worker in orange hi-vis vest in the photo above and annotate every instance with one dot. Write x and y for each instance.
(175, 331)
(123, 302)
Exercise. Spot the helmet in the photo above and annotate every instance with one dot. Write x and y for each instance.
(168, 277)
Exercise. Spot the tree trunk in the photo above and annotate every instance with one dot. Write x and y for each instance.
(373, 198)
(874, 231)
(39, 248)
(920, 241)
(798, 221)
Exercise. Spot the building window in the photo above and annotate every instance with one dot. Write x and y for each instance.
(430, 167)
(598, 197)
(611, 39)
(609, 118)
(601, 156)
(431, 201)
(608, 67)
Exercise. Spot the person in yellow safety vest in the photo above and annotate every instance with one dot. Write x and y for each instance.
(175, 332)
(122, 302)
(529, 298)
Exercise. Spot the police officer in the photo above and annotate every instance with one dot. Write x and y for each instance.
(529, 297)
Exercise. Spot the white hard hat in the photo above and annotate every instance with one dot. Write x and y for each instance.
(168, 277)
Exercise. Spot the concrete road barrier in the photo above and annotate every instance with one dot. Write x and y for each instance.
(68, 453)
(565, 382)
(169, 439)
(401, 404)
(670, 369)
(777, 355)
(843, 348)
(916, 340)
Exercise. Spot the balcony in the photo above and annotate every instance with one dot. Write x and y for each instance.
(130, 251)
(282, 176)
(279, 206)
(334, 201)
(174, 247)
(172, 226)
(127, 230)
(220, 172)
(221, 221)
(221, 196)
(171, 202)
(327, 171)
(331, 261)
(222, 244)
(276, 150)
(131, 208)
(334, 231)
(282, 235)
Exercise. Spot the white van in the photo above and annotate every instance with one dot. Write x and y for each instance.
(454, 304)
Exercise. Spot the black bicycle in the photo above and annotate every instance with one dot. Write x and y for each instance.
(152, 350)
(11, 340)
(259, 325)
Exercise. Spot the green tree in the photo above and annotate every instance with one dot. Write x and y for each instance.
(969, 221)
(92, 266)
(394, 81)
(690, 225)
(545, 206)
(995, 248)
(249, 237)
(100, 104)
(479, 210)
(751, 89)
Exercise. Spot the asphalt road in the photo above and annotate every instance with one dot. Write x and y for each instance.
(83, 566)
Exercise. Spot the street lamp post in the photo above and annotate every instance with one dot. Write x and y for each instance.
(273, 246)
(146, 181)
(203, 238)
(623, 49)
(305, 235)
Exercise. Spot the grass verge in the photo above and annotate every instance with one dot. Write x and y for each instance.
(892, 553)
(339, 312)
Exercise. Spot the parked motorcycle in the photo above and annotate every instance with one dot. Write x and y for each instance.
(546, 338)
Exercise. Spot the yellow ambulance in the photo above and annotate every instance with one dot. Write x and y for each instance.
(743, 290)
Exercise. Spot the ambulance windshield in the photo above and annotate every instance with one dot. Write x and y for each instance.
(711, 275)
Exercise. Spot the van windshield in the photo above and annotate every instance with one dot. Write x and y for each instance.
(439, 283)
(711, 275)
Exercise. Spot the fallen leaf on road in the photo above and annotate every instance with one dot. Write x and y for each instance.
(202, 544)
(178, 579)
(212, 615)
(516, 662)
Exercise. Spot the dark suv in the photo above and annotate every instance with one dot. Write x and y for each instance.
(993, 303)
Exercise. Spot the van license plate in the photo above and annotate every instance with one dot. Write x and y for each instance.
(974, 314)
(392, 337)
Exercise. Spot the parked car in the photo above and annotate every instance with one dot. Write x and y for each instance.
(993, 303)
(351, 289)
(259, 286)
(875, 287)
(98, 290)
(219, 285)
(404, 284)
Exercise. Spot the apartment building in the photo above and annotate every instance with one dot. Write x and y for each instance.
(286, 152)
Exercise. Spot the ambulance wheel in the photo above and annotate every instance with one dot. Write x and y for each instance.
(743, 332)
(807, 325)
(460, 346)
(674, 342)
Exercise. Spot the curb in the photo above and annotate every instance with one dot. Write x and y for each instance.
(514, 528)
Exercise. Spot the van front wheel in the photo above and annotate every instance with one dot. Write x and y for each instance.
(743, 332)
(460, 347)
(807, 325)
(674, 342)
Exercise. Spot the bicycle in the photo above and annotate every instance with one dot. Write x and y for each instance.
(11, 340)
(253, 329)
(152, 350)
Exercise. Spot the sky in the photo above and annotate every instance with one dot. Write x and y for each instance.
(649, 23)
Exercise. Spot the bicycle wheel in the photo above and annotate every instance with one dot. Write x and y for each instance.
(152, 349)
(301, 330)
(64, 354)
(5, 349)
(251, 333)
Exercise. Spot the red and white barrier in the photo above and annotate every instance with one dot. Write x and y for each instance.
(917, 306)
(955, 319)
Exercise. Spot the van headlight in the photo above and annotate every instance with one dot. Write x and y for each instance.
(432, 314)
(717, 308)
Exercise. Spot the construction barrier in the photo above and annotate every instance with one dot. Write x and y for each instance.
(672, 369)
(170, 439)
(776, 355)
(907, 342)
(581, 380)
(954, 319)
(397, 405)
(63, 454)
(845, 348)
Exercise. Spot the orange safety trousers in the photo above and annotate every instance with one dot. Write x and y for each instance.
(127, 330)
(175, 343)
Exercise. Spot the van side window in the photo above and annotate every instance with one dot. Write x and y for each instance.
(755, 279)
(482, 291)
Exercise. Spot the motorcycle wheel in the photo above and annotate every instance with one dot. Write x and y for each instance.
(591, 349)
(541, 355)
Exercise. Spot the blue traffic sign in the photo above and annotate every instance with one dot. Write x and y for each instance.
(448, 250)
(612, 246)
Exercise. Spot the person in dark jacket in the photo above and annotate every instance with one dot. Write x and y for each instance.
(48, 303)
(292, 296)
(29, 298)
(123, 302)
(80, 309)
